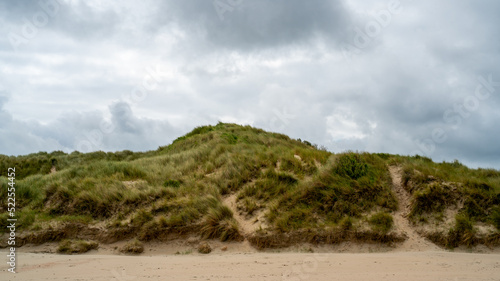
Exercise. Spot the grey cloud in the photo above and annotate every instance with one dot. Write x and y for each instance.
(73, 19)
(258, 24)
(277, 65)
(87, 131)
(124, 120)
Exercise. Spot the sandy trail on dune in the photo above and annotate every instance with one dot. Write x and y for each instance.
(246, 227)
(415, 241)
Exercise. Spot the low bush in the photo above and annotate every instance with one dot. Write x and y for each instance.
(351, 165)
(76, 246)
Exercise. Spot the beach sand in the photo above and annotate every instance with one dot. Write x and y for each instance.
(242, 263)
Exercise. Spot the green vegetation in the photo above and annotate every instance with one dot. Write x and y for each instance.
(329, 195)
(473, 194)
(381, 222)
(133, 247)
(462, 233)
(219, 223)
(76, 246)
(351, 165)
(437, 186)
(290, 185)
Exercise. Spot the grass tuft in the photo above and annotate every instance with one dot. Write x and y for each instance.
(462, 233)
(76, 246)
(219, 223)
(133, 247)
(381, 222)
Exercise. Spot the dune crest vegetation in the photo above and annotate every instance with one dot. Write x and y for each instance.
(287, 191)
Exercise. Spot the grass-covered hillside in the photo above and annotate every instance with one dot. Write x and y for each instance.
(232, 182)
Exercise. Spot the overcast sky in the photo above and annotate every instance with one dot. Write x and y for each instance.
(405, 77)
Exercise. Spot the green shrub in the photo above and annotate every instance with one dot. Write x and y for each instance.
(351, 165)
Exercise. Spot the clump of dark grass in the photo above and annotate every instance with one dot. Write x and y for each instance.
(434, 198)
(382, 222)
(133, 247)
(249, 205)
(141, 218)
(495, 217)
(463, 233)
(346, 223)
(172, 183)
(294, 219)
(76, 246)
(219, 223)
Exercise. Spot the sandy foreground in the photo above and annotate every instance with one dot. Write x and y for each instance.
(393, 265)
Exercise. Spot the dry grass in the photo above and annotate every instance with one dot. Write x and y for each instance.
(76, 246)
(219, 223)
(178, 188)
(133, 247)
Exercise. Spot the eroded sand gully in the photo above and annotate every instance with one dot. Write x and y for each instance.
(415, 242)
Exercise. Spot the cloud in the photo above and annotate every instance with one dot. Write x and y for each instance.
(78, 19)
(85, 131)
(254, 25)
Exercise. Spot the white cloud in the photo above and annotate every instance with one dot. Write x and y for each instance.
(340, 126)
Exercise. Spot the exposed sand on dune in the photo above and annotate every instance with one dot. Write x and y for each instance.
(246, 226)
(415, 241)
(259, 266)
